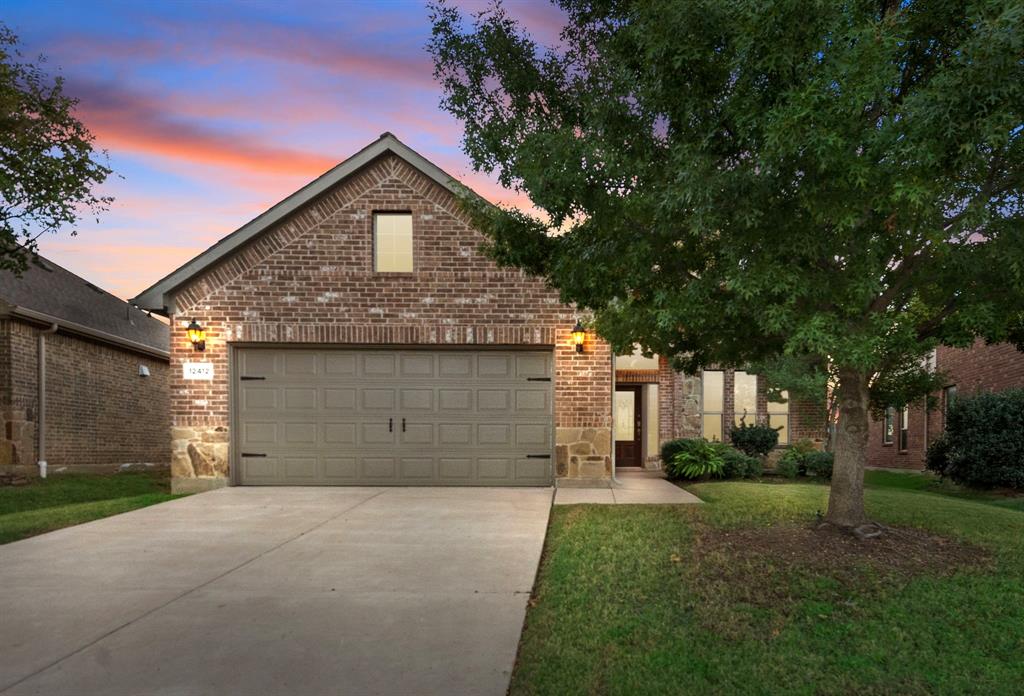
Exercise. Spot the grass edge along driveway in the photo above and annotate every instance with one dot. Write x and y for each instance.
(63, 500)
(623, 603)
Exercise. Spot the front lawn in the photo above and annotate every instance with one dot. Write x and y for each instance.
(63, 500)
(736, 596)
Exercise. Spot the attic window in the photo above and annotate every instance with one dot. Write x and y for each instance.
(392, 242)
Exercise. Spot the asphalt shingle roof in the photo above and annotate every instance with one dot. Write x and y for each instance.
(57, 292)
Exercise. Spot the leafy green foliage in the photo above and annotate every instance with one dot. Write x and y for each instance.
(736, 464)
(840, 185)
(48, 167)
(755, 440)
(819, 464)
(983, 445)
(694, 458)
(788, 465)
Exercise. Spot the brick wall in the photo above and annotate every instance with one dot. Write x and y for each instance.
(680, 407)
(978, 368)
(100, 413)
(310, 279)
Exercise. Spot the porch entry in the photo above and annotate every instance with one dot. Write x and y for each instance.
(629, 425)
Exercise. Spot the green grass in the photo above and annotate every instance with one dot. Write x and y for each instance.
(67, 499)
(929, 483)
(621, 609)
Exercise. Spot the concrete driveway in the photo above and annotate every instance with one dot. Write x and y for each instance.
(277, 591)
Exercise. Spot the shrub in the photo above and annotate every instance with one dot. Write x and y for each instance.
(693, 458)
(983, 445)
(791, 463)
(937, 457)
(673, 447)
(738, 465)
(754, 440)
(819, 464)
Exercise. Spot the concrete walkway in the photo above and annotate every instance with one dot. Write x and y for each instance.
(630, 488)
(277, 591)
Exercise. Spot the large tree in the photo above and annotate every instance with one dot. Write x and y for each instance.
(830, 184)
(49, 169)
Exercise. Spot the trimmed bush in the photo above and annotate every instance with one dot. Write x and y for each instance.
(791, 463)
(983, 445)
(738, 465)
(819, 464)
(694, 458)
(788, 467)
(754, 440)
(671, 448)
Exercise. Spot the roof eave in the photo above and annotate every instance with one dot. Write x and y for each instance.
(79, 329)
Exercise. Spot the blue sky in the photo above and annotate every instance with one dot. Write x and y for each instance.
(212, 112)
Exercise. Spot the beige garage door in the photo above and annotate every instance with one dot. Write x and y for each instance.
(399, 417)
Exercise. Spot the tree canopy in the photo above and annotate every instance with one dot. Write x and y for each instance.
(49, 169)
(827, 183)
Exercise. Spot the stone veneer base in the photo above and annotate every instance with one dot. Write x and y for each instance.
(197, 485)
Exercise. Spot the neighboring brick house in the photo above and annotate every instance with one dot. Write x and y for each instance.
(100, 412)
(355, 334)
(900, 439)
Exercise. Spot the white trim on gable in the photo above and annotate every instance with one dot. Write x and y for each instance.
(155, 297)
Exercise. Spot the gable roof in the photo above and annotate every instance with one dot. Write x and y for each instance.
(155, 298)
(51, 294)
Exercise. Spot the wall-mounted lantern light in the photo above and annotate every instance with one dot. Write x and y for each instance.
(196, 334)
(579, 335)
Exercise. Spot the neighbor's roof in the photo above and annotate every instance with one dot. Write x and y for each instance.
(155, 297)
(50, 294)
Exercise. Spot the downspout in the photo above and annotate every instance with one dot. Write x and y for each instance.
(612, 416)
(41, 389)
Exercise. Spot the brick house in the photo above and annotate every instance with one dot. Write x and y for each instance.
(355, 334)
(103, 368)
(900, 439)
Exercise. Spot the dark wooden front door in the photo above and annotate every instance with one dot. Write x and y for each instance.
(629, 422)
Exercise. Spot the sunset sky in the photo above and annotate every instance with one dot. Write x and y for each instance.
(212, 112)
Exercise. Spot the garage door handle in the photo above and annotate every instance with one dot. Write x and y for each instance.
(538, 456)
(253, 454)
(403, 425)
(391, 425)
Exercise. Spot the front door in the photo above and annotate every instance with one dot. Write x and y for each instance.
(628, 425)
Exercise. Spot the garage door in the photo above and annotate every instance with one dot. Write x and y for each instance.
(399, 417)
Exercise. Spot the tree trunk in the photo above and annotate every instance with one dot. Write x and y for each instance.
(846, 499)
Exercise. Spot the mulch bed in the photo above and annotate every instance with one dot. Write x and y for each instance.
(902, 551)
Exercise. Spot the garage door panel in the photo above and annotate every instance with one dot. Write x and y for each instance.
(493, 468)
(340, 399)
(300, 364)
(340, 468)
(398, 417)
(376, 366)
(417, 434)
(417, 468)
(259, 398)
(416, 399)
(257, 433)
(374, 433)
(300, 468)
(455, 365)
(378, 399)
(340, 433)
(492, 399)
(494, 366)
(417, 365)
(260, 362)
(533, 436)
(378, 467)
(449, 400)
(340, 364)
(300, 434)
(303, 398)
(533, 401)
(259, 469)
